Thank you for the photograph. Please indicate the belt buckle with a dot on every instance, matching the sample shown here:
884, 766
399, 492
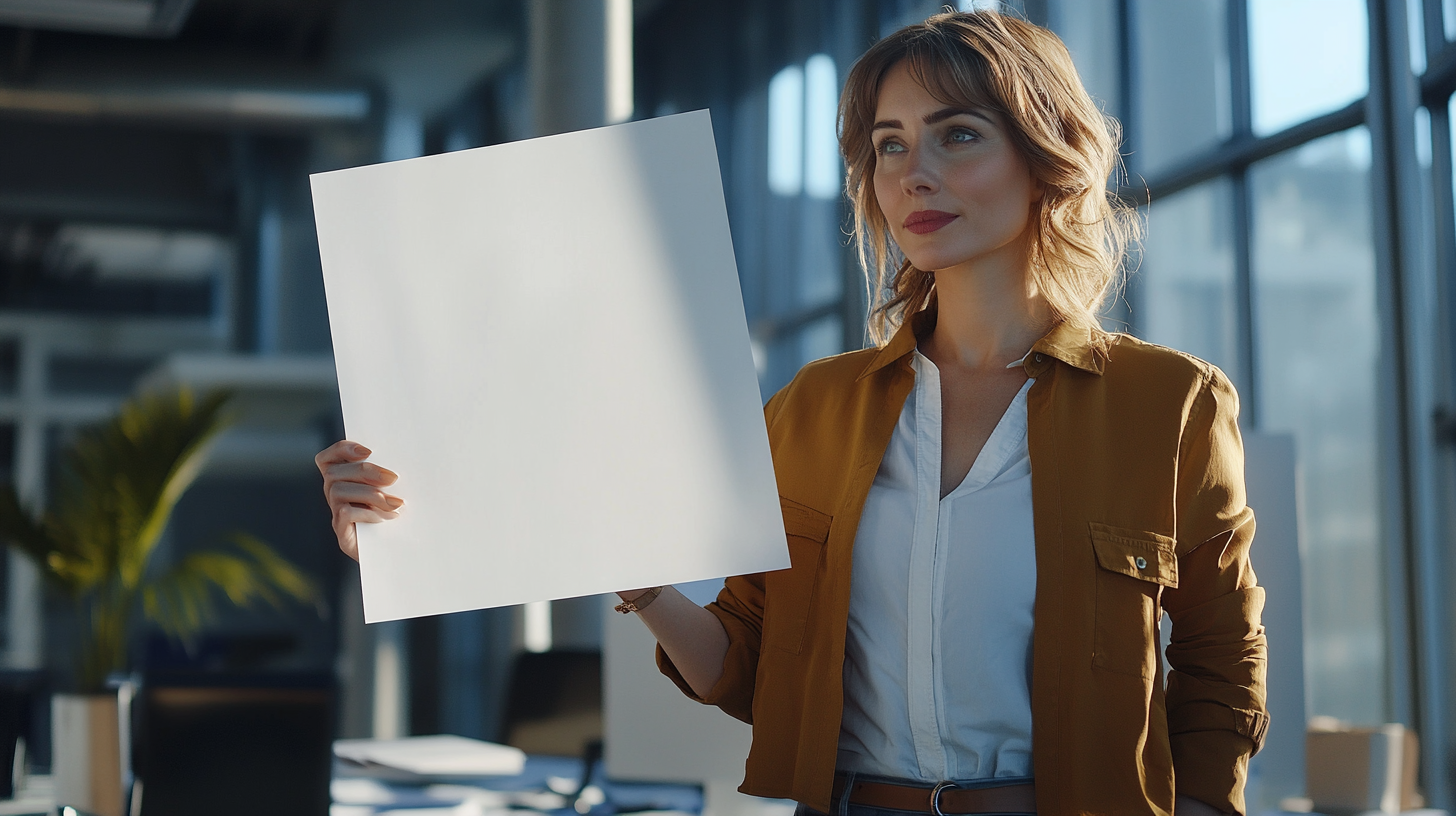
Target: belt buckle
935, 796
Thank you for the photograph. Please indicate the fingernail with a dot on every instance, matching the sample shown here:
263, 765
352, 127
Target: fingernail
394, 502
360, 450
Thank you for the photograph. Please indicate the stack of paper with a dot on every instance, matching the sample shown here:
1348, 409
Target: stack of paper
441, 755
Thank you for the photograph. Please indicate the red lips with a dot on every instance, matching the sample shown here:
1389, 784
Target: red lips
923, 222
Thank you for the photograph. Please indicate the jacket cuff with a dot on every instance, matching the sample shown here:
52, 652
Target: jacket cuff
1212, 767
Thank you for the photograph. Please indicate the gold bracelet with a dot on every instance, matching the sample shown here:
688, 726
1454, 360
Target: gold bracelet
637, 604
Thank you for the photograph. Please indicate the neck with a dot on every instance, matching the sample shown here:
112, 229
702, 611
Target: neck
988, 314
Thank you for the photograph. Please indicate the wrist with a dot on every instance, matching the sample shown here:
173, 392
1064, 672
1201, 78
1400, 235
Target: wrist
637, 600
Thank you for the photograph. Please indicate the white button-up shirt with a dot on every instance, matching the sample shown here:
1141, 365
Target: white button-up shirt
937, 673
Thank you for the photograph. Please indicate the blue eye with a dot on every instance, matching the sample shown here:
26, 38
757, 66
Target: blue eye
962, 136
888, 146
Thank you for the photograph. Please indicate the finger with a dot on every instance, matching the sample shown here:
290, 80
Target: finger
342, 451
366, 472
348, 542
352, 514
341, 493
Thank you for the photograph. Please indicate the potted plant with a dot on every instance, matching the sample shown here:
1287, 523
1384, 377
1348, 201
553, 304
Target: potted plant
95, 543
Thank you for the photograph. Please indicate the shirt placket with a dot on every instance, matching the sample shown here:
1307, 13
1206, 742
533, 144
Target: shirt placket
921, 664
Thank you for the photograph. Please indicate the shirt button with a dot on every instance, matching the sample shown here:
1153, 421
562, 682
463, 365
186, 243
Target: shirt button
1141, 562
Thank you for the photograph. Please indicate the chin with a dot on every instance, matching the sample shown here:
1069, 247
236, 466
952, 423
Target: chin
936, 261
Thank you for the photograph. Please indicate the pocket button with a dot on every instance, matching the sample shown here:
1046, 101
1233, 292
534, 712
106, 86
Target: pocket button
1142, 563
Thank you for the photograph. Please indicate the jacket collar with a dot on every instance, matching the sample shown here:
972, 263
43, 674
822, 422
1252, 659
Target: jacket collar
1078, 346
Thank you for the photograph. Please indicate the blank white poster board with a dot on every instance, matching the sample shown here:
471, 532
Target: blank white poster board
546, 340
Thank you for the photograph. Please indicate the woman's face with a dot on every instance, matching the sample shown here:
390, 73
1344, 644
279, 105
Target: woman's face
951, 184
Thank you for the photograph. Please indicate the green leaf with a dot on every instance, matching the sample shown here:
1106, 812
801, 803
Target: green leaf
183, 599
123, 479
20, 531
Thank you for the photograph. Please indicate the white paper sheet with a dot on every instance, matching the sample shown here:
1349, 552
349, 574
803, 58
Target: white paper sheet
546, 340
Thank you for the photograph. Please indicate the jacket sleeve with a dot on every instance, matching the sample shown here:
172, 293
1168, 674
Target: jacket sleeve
1215, 696
739, 608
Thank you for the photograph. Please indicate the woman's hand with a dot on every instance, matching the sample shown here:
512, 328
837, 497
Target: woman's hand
352, 487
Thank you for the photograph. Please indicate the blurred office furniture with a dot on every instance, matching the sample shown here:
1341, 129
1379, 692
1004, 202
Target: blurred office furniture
23, 697
234, 746
554, 702
544, 784
89, 751
1271, 478
1354, 770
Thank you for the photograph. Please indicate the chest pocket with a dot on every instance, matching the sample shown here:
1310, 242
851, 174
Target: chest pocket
1133, 566
789, 594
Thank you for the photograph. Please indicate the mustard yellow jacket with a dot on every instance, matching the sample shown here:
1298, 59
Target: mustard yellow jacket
1138, 499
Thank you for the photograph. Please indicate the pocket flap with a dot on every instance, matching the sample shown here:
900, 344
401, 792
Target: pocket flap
1136, 554
804, 521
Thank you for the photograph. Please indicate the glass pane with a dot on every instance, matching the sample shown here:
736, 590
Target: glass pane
1308, 57
1185, 286
1415, 26
1182, 63
1090, 30
1318, 346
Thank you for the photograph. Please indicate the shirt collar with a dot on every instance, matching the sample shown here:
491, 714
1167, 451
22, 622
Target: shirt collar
1081, 347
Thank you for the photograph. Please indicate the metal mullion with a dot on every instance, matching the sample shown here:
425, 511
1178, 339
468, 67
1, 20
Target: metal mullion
1248, 332
1444, 213
1129, 111
1392, 178
1240, 69
1241, 107
1242, 151
1124, 309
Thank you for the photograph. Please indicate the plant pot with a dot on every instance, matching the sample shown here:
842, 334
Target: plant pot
86, 752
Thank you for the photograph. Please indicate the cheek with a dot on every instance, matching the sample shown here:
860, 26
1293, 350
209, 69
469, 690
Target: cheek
885, 192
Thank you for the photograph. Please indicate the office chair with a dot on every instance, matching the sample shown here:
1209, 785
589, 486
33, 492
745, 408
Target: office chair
554, 702
236, 746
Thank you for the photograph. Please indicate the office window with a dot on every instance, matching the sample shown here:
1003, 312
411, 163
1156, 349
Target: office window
1308, 57
1181, 57
1186, 289
803, 148
823, 177
786, 131
1318, 348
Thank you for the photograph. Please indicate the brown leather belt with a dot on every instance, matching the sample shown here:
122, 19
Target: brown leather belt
940, 800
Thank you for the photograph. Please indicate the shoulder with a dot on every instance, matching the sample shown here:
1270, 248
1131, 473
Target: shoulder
827, 379
1151, 365
1158, 374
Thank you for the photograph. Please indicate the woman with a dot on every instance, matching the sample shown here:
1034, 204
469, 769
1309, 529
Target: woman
999, 460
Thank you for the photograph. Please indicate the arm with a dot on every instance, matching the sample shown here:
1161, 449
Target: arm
738, 611
1215, 696
689, 635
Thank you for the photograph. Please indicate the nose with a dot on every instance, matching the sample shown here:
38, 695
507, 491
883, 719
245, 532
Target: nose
919, 176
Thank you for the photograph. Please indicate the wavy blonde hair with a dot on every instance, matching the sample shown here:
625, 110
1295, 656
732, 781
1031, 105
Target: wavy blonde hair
1022, 72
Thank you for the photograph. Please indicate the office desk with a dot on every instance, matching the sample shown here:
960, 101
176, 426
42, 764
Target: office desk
539, 788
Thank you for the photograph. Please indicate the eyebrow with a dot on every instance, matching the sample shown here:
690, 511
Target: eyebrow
932, 118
